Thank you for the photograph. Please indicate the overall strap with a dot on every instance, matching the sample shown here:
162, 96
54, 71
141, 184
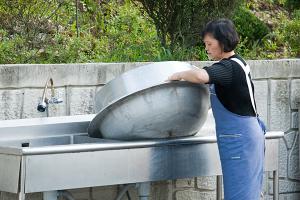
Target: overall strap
246, 69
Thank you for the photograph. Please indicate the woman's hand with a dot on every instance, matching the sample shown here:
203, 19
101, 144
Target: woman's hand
175, 77
193, 75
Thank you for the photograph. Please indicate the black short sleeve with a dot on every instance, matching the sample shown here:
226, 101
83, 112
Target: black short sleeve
220, 73
231, 86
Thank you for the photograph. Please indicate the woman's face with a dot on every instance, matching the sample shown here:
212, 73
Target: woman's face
212, 47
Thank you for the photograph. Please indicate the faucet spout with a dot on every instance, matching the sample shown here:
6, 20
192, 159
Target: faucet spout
43, 103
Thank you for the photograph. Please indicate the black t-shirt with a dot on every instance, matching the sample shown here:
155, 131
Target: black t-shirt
231, 86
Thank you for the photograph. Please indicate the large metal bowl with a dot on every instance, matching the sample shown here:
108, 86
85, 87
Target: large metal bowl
140, 104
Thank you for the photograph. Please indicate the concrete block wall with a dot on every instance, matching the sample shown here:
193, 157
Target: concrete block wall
277, 90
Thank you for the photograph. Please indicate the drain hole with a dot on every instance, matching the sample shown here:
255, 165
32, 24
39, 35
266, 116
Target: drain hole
25, 144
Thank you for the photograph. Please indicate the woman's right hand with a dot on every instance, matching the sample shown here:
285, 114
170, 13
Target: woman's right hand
175, 77
193, 75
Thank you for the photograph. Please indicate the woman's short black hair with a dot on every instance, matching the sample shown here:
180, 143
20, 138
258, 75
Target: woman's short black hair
224, 31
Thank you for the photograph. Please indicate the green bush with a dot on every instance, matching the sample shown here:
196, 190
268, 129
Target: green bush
12, 49
296, 14
249, 26
292, 4
292, 36
127, 36
130, 36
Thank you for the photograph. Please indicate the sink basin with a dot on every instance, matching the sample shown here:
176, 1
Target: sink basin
52, 141
37, 142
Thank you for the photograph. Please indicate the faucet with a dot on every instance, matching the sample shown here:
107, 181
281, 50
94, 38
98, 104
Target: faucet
43, 103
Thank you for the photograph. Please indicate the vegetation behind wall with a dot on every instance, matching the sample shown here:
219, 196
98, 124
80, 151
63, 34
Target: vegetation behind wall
69, 31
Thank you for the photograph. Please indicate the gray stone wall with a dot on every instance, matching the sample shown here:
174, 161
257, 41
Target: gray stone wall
277, 90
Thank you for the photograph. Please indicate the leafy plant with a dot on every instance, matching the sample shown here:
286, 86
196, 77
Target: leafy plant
292, 36
296, 14
249, 26
40, 31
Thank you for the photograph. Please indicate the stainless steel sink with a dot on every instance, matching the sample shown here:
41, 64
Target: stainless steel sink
48, 154
52, 141
37, 142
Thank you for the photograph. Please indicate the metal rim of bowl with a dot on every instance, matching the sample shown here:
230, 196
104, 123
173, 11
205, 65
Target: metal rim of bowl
172, 64
93, 128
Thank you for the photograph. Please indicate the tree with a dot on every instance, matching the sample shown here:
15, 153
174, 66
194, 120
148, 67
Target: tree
179, 22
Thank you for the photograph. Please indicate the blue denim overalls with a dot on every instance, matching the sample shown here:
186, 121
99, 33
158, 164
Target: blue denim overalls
241, 147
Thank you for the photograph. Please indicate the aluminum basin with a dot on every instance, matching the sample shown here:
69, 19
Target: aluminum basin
140, 104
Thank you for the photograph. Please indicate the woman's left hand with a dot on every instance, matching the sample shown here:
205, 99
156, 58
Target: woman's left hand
174, 77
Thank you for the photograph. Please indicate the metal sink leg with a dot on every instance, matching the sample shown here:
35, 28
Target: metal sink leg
54, 195
276, 184
219, 187
144, 190
21, 196
50, 195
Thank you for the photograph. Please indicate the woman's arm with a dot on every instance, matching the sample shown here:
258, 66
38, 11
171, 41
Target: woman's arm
193, 75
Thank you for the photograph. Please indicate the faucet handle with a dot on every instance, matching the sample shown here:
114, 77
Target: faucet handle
54, 100
44, 101
42, 106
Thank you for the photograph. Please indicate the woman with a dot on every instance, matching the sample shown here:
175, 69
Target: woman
240, 133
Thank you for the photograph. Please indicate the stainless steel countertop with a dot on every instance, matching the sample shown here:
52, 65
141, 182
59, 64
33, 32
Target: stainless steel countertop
73, 128
116, 145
